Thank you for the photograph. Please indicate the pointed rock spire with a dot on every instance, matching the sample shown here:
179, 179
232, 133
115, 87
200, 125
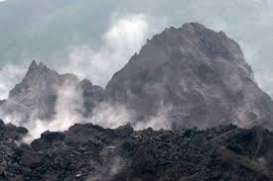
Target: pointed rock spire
39, 72
33, 65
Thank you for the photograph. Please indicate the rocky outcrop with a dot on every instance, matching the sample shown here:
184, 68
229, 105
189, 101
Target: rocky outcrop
89, 152
92, 96
36, 96
182, 78
10, 137
195, 77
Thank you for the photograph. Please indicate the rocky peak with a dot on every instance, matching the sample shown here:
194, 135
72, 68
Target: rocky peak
33, 65
193, 40
38, 75
194, 76
37, 72
36, 95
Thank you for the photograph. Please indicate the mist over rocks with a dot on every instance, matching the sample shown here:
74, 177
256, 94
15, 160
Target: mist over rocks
182, 78
36, 95
198, 75
42, 90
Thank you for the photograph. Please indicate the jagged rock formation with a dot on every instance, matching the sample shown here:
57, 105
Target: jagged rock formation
36, 96
91, 153
190, 77
182, 78
197, 76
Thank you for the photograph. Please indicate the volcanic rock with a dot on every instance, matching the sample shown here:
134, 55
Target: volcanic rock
193, 77
37, 95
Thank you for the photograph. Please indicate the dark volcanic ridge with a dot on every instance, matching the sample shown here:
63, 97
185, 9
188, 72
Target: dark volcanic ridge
91, 153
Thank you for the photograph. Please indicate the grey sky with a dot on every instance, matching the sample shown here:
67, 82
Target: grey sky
95, 38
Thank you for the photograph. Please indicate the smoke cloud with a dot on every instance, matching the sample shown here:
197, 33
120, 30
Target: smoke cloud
72, 23
125, 36
157, 122
110, 168
68, 106
110, 115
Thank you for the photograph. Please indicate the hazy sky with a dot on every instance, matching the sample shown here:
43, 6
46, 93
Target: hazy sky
95, 38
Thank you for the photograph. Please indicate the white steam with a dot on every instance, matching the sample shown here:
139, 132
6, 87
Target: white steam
111, 115
157, 122
125, 36
111, 168
68, 106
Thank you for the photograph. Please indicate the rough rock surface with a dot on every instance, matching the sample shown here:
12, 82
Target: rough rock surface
91, 153
36, 96
182, 78
10, 136
197, 76
192, 76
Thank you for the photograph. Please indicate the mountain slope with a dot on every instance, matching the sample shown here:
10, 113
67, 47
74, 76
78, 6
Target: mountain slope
194, 76
42, 89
